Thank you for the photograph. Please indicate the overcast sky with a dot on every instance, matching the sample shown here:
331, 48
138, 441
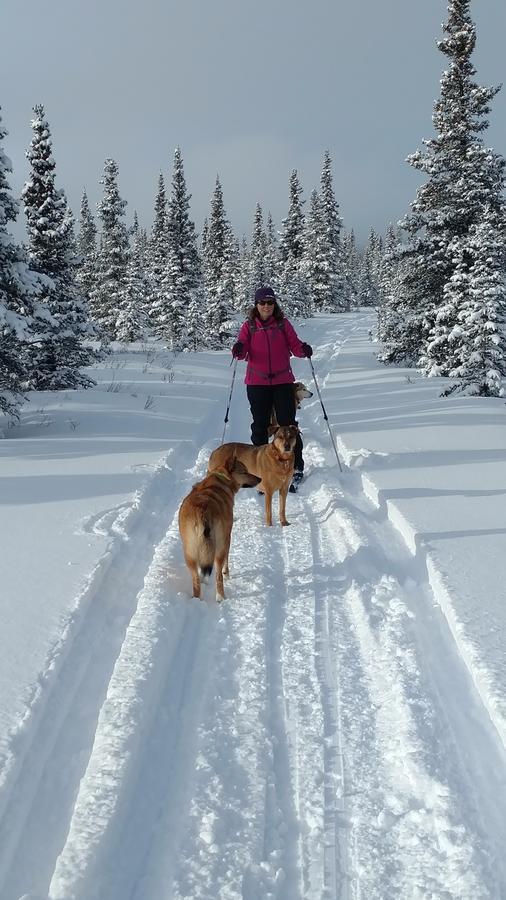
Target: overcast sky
249, 89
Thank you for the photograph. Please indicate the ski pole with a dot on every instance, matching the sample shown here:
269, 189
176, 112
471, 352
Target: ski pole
229, 400
325, 416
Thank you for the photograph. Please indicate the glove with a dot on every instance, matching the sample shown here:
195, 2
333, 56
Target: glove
237, 349
308, 350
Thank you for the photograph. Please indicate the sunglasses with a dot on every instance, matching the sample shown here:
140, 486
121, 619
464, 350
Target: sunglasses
265, 302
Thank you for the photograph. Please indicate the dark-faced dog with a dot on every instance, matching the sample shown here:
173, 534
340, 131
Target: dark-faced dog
272, 462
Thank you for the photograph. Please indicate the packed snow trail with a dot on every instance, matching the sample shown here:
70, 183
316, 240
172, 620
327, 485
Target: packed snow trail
316, 735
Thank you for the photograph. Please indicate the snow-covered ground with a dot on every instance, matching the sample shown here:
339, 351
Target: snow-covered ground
336, 728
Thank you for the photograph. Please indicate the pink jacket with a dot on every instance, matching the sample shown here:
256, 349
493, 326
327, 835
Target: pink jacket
267, 346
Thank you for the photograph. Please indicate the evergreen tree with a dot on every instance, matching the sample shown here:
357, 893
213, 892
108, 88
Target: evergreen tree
350, 263
271, 256
243, 279
315, 260
60, 356
390, 320
157, 257
21, 315
477, 294
253, 266
293, 285
195, 336
86, 248
182, 275
159, 229
464, 189
234, 265
133, 231
181, 228
219, 270
108, 295
258, 250
171, 316
203, 241
291, 245
216, 235
369, 280
336, 295
132, 319
227, 299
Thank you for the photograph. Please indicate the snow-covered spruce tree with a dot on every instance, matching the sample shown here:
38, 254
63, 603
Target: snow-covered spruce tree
131, 323
408, 299
336, 296
243, 280
389, 322
258, 250
227, 291
203, 239
214, 249
172, 312
234, 265
86, 248
369, 278
182, 275
253, 265
108, 292
195, 336
465, 183
478, 185
271, 256
293, 286
22, 317
181, 228
220, 267
350, 263
59, 357
477, 292
315, 260
156, 258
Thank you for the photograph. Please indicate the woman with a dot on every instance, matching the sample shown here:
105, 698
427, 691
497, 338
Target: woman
267, 339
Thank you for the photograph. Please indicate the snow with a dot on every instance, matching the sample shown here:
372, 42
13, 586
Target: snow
337, 727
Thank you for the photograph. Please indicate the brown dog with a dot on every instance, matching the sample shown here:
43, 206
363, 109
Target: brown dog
300, 393
206, 518
273, 463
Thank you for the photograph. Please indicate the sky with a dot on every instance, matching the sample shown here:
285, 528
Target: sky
337, 726
248, 89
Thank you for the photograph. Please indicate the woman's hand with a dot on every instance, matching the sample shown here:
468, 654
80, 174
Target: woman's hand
237, 349
308, 350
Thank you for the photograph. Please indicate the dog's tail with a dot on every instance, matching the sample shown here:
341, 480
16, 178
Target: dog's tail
206, 550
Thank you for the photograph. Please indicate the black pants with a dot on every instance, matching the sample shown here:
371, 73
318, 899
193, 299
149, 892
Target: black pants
262, 398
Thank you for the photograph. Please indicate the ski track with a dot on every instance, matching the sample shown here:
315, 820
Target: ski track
39, 803
50, 751
315, 736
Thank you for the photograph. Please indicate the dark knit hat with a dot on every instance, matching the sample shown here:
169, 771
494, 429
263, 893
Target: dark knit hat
264, 293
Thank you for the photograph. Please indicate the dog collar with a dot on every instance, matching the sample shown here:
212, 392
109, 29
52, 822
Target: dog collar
222, 475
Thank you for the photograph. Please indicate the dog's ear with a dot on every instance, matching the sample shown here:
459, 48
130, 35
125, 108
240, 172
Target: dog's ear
272, 429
